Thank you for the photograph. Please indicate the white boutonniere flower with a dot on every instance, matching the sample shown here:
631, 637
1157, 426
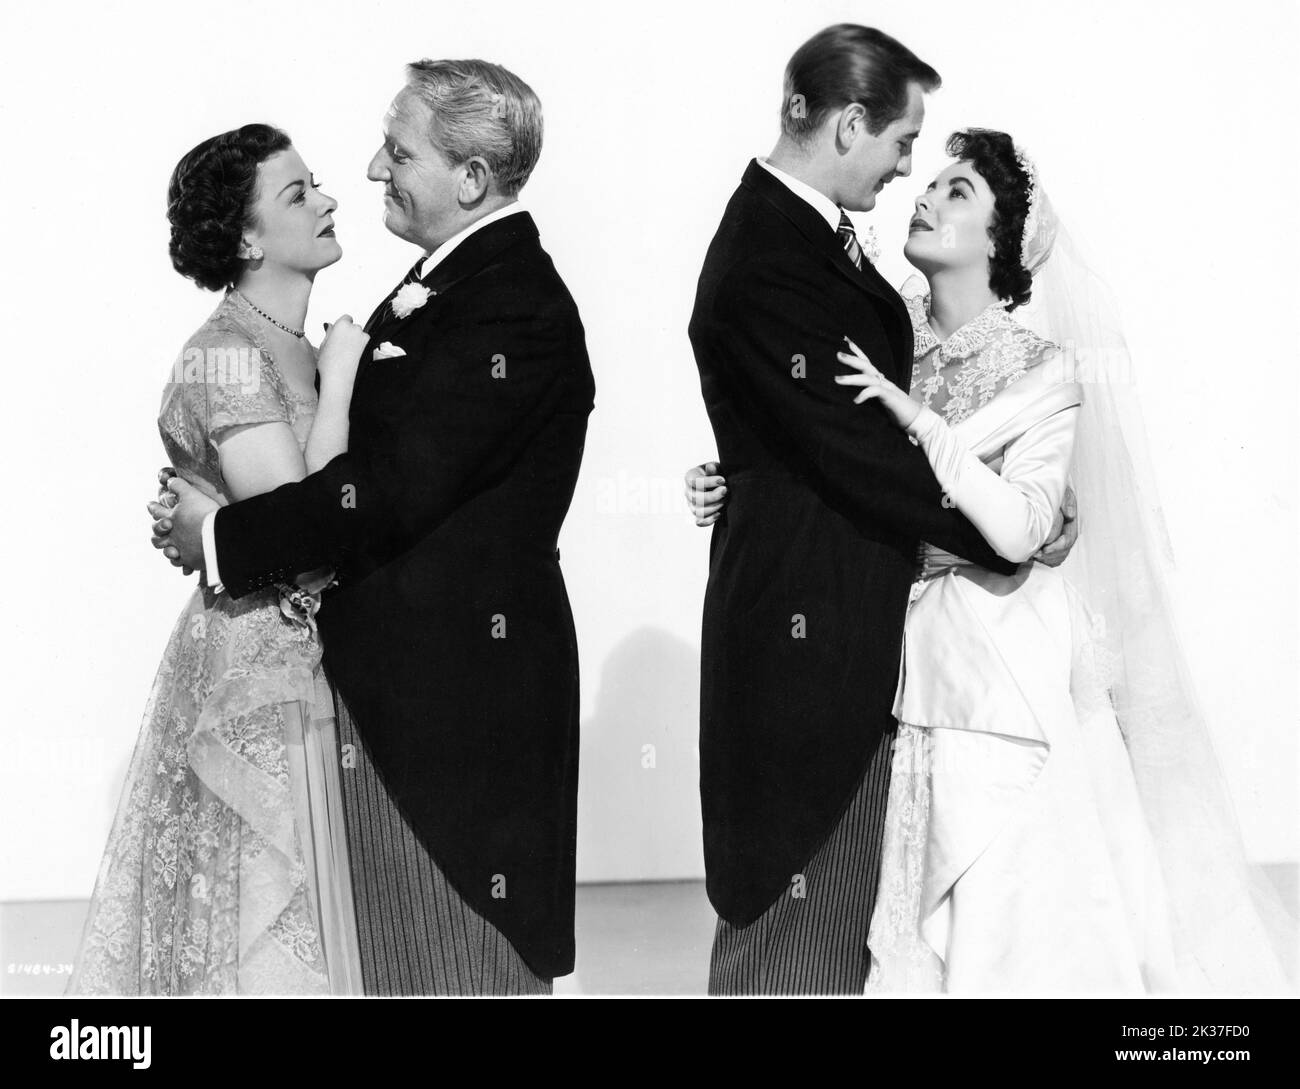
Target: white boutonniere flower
870, 244
410, 298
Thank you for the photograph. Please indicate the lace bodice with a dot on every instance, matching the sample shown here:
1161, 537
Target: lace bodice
1005, 468
962, 374
224, 377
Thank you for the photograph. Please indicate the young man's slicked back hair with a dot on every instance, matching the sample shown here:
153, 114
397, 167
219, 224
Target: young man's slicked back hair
849, 63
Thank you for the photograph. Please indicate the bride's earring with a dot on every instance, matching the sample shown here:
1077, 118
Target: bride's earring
255, 253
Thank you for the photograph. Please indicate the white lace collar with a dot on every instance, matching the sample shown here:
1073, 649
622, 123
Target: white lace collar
967, 370
966, 341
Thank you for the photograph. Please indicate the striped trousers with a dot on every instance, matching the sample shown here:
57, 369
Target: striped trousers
417, 936
813, 939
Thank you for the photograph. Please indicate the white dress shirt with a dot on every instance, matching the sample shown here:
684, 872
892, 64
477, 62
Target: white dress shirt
434, 259
820, 202
431, 261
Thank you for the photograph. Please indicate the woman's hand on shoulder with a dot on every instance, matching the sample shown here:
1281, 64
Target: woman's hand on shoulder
706, 493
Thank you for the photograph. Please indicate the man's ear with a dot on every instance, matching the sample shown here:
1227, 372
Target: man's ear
851, 125
475, 182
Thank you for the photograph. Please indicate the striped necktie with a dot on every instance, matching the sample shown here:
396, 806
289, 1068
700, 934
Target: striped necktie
413, 277
849, 237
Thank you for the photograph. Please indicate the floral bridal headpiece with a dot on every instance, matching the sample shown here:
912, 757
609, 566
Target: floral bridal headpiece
1040, 220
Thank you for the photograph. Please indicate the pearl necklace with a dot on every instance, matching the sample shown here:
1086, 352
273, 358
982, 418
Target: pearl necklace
299, 333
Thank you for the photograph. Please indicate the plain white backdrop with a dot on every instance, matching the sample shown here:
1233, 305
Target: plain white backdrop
1165, 132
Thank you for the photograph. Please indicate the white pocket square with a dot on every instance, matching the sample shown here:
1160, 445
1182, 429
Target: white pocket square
387, 351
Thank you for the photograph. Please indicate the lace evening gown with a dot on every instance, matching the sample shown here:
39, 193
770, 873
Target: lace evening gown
1016, 856
226, 869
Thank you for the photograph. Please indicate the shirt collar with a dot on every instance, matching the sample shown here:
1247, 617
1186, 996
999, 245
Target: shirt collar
820, 202
434, 259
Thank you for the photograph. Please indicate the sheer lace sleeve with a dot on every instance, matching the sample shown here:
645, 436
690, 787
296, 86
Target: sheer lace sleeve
223, 379
240, 386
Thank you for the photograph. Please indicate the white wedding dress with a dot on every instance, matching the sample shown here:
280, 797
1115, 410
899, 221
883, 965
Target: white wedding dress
1016, 856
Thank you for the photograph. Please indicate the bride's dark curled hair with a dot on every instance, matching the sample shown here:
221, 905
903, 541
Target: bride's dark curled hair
993, 155
210, 199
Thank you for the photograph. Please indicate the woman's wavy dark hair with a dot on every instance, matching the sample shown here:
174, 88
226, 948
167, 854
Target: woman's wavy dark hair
210, 202
993, 156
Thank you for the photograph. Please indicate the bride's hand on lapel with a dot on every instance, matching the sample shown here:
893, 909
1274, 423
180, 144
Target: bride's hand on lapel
875, 386
706, 493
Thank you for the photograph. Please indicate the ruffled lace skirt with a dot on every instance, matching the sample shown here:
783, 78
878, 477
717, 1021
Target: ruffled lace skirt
226, 869
901, 960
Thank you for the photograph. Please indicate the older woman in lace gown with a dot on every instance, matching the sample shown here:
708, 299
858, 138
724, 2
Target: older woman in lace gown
1021, 852
226, 868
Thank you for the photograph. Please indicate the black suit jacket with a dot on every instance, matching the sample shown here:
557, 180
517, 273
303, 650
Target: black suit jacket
810, 566
450, 638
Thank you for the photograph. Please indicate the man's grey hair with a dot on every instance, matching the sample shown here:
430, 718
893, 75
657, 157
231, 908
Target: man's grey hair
481, 109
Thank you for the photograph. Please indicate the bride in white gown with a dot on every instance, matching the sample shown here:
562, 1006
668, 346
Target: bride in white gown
1056, 822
